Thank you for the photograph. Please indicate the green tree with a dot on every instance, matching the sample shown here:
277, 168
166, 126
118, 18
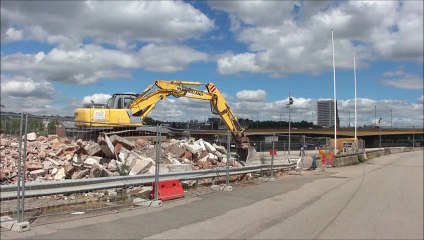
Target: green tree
35, 125
51, 127
150, 121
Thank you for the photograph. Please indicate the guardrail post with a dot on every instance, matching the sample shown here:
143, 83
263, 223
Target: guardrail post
158, 153
24, 168
18, 183
228, 158
272, 155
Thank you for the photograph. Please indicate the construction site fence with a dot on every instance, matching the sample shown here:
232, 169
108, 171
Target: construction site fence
29, 195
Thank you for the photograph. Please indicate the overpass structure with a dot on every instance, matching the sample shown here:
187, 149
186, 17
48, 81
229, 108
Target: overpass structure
342, 132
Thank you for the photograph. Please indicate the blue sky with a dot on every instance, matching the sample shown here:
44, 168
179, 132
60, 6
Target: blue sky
58, 55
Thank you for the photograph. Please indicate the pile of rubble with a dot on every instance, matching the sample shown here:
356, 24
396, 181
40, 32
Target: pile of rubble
54, 158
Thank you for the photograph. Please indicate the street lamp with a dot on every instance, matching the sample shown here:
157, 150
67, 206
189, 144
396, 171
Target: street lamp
391, 118
379, 125
289, 107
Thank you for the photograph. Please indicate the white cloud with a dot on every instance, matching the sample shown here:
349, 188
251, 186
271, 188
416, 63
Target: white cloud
90, 63
12, 35
97, 98
26, 94
168, 58
403, 80
82, 66
19, 86
251, 96
300, 41
119, 23
256, 12
238, 63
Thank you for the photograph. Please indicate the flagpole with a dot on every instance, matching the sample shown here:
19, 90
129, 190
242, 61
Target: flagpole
335, 101
289, 125
354, 73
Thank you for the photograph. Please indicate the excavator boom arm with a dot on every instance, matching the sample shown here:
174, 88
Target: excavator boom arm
142, 105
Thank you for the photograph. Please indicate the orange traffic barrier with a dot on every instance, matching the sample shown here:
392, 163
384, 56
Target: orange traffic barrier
271, 153
168, 190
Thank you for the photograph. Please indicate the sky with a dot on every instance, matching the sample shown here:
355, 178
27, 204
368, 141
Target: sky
58, 55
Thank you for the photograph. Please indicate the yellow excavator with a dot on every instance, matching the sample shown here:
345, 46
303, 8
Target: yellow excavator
129, 110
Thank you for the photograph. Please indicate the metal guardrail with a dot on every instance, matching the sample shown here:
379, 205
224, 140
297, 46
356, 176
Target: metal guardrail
35, 189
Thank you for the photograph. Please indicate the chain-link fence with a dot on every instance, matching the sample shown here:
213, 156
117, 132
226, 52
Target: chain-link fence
51, 167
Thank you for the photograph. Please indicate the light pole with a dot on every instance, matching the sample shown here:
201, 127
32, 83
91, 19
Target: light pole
348, 112
391, 119
379, 125
334, 90
413, 137
354, 74
375, 115
280, 120
289, 107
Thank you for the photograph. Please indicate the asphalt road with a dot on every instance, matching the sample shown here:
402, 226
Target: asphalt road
379, 199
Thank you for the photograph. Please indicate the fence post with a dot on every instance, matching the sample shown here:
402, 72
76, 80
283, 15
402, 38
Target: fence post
272, 155
24, 168
302, 154
158, 153
228, 158
18, 183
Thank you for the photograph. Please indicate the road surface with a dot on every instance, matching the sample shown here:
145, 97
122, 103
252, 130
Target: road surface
379, 199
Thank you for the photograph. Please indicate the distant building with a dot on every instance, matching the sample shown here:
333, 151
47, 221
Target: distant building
325, 113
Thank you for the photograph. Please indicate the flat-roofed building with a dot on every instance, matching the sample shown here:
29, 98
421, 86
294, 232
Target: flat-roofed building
325, 113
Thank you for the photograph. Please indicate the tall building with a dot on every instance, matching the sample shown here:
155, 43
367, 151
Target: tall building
325, 113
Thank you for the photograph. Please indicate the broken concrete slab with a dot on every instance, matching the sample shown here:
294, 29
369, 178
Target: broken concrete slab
55, 163
31, 136
30, 166
93, 149
106, 145
220, 149
141, 165
96, 171
147, 203
141, 142
77, 160
80, 174
180, 167
6, 222
115, 139
69, 169
112, 165
36, 173
90, 161
175, 151
224, 188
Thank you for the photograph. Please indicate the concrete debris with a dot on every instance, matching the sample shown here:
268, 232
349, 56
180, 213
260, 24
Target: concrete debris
141, 165
106, 145
92, 149
90, 161
122, 141
55, 158
60, 174
31, 136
